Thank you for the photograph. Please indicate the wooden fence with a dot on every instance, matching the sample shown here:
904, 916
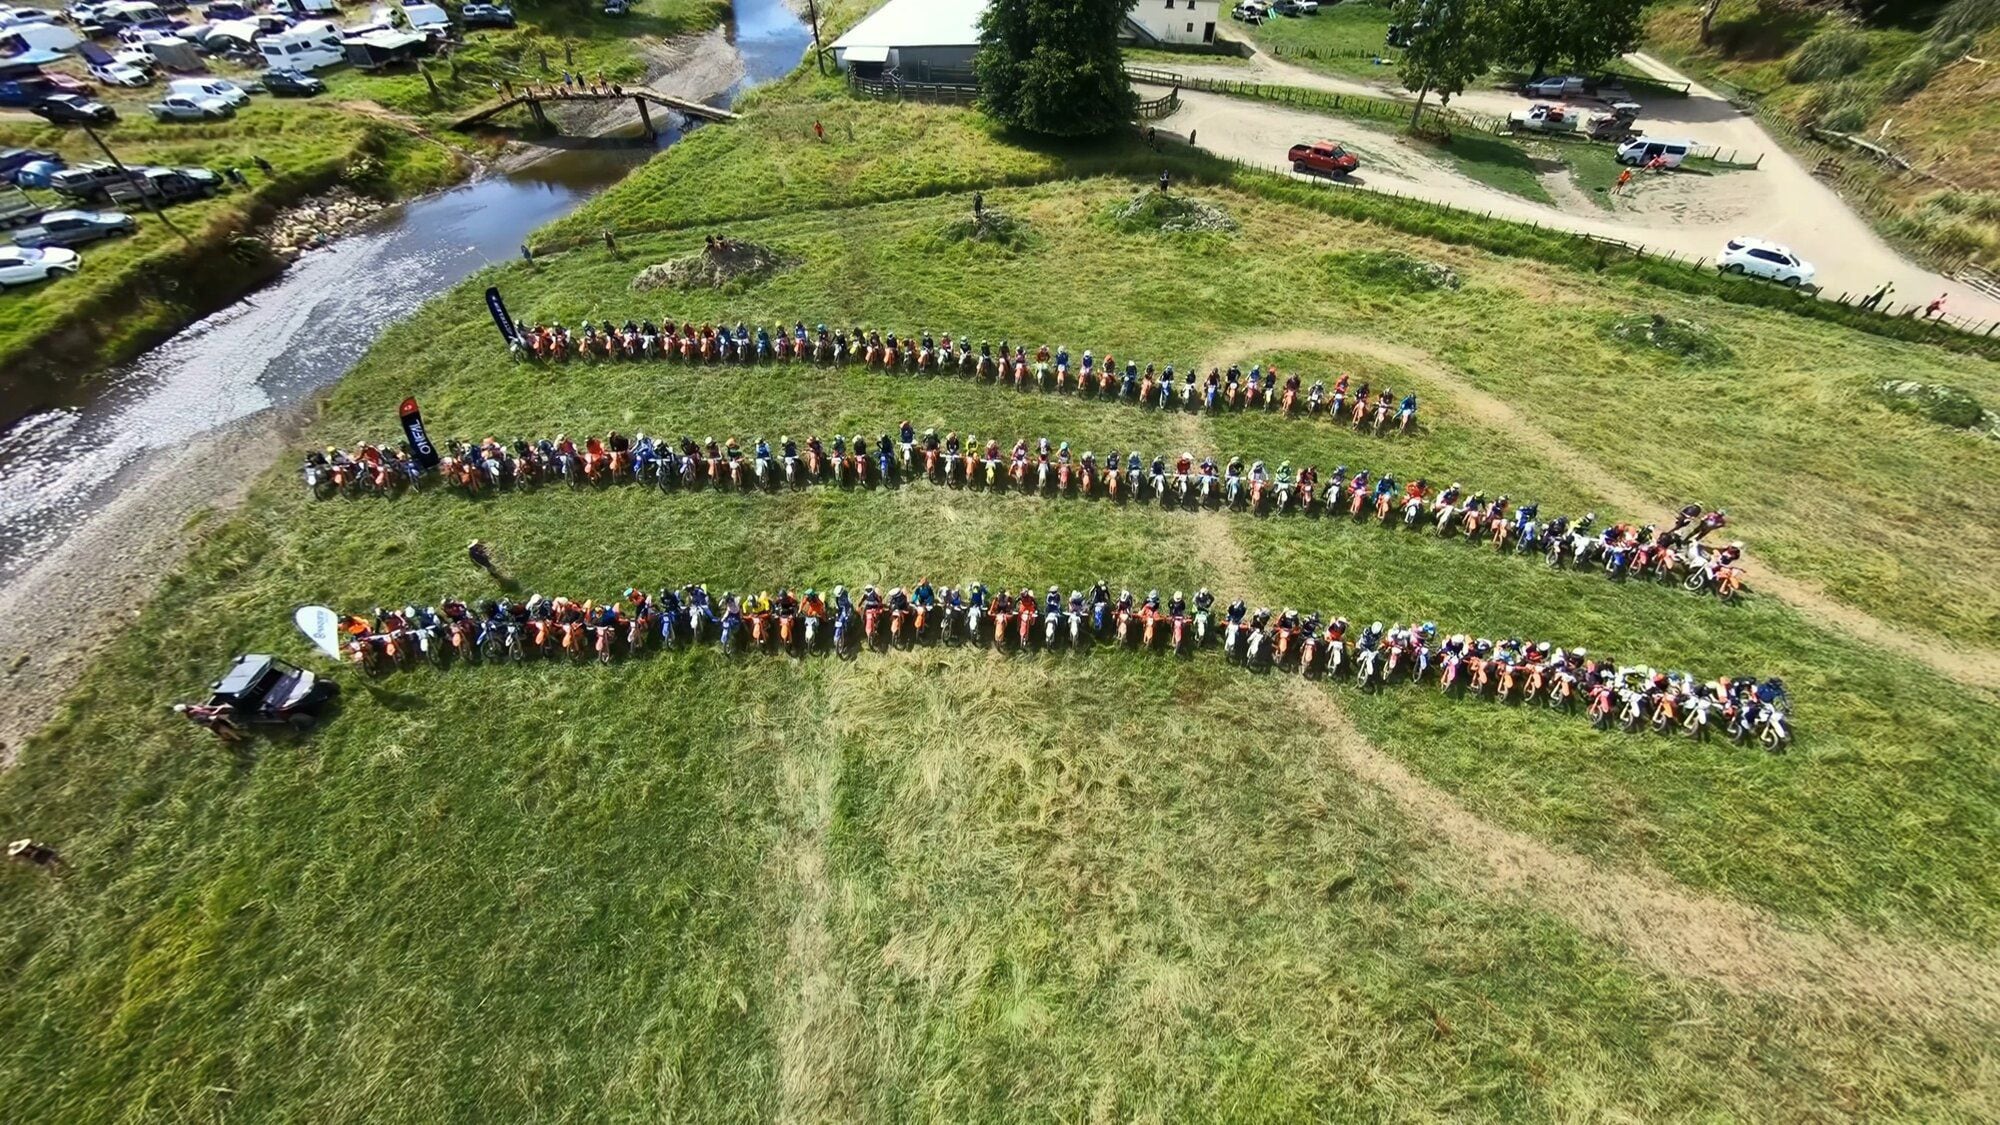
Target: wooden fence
961, 93
1347, 105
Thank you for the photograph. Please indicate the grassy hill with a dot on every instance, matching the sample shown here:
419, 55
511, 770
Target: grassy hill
945, 883
1916, 81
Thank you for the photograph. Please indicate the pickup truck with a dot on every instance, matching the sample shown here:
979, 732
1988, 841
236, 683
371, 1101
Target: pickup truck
1323, 157
101, 181
1545, 117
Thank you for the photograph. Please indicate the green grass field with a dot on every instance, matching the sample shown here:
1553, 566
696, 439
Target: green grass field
1343, 39
950, 884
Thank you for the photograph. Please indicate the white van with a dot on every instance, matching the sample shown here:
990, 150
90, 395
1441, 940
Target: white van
221, 89
1642, 150
312, 45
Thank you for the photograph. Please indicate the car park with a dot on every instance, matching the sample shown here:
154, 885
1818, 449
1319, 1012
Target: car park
26, 265
73, 109
286, 83
1757, 257
75, 228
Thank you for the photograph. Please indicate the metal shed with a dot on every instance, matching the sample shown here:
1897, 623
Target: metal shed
917, 40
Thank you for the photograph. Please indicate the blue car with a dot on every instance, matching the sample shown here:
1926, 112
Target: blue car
12, 160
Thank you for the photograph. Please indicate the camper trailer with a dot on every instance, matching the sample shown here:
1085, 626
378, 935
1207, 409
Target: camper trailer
312, 45
377, 49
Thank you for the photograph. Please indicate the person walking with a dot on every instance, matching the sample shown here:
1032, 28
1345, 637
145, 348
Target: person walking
1935, 308
1624, 177
610, 243
481, 557
527, 254
1874, 300
1165, 179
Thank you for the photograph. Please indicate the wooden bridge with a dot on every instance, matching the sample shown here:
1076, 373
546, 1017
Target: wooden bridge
535, 97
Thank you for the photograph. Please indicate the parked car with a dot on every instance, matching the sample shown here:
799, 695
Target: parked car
73, 109
616, 7
221, 88
1545, 117
1555, 86
1284, 7
66, 84
25, 265
86, 180
138, 58
102, 180
74, 228
1306, 7
264, 690
1324, 157
1645, 150
486, 15
1251, 11
227, 10
115, 73
13, 160
1755, 257
291, 84
180, 107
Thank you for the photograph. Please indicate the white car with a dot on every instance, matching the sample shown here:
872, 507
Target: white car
181, 107
221, 88
1757, 258
25, 265
119, 74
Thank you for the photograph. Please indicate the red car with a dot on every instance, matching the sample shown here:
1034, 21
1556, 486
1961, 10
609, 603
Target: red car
1324, 157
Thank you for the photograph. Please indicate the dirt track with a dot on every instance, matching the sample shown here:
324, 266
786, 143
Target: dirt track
1688, 214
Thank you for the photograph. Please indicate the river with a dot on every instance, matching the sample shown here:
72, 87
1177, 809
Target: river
289, 339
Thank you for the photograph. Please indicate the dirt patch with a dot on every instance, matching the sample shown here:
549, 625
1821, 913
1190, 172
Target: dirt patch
1973, 667
714, 267
1729, 944
120, 554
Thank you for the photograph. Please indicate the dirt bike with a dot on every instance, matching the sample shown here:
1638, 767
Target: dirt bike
1666, 712
1725, 581
1603, 701
1368, 668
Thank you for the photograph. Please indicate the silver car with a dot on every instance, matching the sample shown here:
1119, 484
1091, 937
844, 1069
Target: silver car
74, 228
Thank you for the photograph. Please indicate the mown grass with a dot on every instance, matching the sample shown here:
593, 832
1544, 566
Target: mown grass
1494, 162
1342, 39
941, 884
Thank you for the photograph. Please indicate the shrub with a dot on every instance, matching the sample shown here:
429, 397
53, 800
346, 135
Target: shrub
740, 263
1829, 54
1168, 213
1684, 339
1393, 269
1916, 72
1940, 402
991, 227
1842, 106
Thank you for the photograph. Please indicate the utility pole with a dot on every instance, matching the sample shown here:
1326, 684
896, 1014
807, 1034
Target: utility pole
137, 185
819, 52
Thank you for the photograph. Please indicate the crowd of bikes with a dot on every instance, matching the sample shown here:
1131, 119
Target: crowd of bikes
1676, 554
805, 622
1365, 408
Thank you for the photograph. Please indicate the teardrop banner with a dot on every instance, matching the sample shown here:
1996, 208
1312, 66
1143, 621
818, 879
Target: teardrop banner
321, 626
413, 428
498, 308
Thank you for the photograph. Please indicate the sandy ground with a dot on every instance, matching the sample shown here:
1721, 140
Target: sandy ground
1689, 215
55, 614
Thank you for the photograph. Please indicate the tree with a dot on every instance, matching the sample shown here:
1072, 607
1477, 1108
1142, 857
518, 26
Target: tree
1584, 34
1708, 18
1054, 66
1452, 42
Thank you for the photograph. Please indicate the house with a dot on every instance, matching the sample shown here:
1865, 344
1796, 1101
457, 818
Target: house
916, 40
1173, 21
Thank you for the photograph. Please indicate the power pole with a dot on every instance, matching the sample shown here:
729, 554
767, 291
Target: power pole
137, 185
819, 52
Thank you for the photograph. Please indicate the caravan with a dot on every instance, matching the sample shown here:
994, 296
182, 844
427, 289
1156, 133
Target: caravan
312, 45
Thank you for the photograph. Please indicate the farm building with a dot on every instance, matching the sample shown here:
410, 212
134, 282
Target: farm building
1173, 21
917, 40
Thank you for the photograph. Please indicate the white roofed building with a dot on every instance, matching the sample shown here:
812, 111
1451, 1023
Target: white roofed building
917, 40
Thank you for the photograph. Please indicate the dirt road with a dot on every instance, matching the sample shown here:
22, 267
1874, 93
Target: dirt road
1687, 214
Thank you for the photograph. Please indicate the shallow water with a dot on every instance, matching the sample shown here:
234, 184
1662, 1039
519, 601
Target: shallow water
65, 458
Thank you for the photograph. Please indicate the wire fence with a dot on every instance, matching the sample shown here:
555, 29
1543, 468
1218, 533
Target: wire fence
1436, 118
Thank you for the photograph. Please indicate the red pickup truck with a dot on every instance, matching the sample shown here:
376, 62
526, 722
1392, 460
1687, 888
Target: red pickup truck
1323, 157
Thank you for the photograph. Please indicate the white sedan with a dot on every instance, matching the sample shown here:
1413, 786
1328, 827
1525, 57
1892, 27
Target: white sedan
1768, 260
25, 265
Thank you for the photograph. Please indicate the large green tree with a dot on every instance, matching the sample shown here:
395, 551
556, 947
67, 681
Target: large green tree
1451, 42
1580, 34
1054, 66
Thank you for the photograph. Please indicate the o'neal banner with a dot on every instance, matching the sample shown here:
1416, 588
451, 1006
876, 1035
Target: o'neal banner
420, 442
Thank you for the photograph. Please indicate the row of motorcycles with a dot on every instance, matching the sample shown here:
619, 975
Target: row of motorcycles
1507, 671
1045, 369
1622, 550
